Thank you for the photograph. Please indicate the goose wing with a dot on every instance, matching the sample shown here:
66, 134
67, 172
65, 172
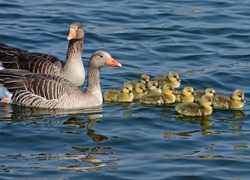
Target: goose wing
15, 58
38, 90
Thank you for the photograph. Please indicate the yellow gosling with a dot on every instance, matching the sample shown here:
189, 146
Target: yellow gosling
165, 97
194, 109
187, 95
236, 102
153, 87
144, 79
172, 79
140, 90
127, 93
199, 93
111, 95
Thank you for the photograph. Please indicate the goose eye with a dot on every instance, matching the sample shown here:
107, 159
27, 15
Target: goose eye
101, 56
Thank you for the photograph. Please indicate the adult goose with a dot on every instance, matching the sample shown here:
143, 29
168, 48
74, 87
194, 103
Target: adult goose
24, 88
72, 70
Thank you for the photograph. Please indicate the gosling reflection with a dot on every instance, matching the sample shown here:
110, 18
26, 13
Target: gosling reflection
193, 118
89, 159
203, 121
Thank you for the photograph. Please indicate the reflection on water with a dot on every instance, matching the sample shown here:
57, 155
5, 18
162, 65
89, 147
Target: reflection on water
20, 113
79, 161
194, 38
90, 158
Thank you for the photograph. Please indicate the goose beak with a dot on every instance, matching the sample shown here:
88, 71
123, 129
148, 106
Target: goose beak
72, 34
113, 62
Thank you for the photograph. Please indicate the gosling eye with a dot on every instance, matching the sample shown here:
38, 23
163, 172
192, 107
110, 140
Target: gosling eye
101, 56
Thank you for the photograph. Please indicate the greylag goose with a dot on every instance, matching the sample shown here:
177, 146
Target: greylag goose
72, 70
140, 90
166, 97
124, 95
236, 102
24, 88
187, 95
195, 109
172, 79
199, 93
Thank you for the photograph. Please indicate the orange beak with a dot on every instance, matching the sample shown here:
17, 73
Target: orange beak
72, 34
113, 62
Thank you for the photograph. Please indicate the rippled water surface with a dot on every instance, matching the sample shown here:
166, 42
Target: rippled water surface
207, 42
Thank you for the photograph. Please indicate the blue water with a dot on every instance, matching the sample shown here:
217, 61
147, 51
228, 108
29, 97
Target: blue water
206, 42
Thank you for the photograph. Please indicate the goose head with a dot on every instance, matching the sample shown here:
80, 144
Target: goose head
206, 101
140, 88
145, 78
76, 31
173, 76
153, 85
210, 92
102, 58
167, 89
238, 95
127, 88
188, 91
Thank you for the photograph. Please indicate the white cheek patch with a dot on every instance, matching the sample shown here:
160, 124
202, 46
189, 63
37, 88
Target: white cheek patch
4, 93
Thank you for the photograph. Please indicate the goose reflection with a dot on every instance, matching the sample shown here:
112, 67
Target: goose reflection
17, 113
92, 119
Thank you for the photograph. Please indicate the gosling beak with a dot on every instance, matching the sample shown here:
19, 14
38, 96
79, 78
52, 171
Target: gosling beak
243, 100
113, 62
71, 34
